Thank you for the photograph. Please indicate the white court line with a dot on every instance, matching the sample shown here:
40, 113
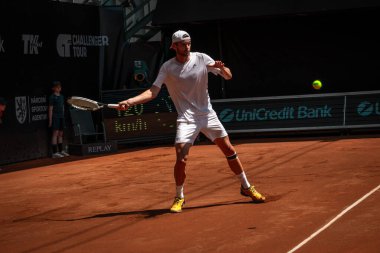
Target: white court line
333, 220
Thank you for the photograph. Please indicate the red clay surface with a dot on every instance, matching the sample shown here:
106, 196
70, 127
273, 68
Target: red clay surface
119, 203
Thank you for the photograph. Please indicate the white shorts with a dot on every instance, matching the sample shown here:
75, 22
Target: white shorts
209, 125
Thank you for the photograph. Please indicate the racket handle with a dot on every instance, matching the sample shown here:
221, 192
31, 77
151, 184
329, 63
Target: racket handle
113, 106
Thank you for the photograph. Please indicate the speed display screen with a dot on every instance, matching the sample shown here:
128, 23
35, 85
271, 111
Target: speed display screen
149, 121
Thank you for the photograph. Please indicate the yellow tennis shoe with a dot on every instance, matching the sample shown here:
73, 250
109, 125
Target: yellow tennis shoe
251, 192
177, 205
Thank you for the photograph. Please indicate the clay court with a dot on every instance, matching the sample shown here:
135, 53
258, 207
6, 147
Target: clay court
119, 202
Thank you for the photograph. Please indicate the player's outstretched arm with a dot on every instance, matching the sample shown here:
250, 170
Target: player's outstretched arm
225, 72
144, 97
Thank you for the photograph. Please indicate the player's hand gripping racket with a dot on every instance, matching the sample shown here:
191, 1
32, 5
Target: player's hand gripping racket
88, 104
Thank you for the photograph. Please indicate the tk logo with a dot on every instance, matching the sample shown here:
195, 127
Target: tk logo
31, 43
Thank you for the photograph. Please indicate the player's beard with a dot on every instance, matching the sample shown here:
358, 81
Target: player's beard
184, 53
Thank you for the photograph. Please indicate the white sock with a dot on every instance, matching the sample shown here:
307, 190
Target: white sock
243, 180
179, 190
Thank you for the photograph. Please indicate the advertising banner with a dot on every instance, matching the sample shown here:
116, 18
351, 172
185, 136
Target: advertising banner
289, 113
280, 113
157, 119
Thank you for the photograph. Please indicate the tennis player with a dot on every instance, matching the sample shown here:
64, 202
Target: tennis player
186, 77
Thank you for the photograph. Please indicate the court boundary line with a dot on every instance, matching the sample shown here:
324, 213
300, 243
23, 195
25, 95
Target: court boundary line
333, 220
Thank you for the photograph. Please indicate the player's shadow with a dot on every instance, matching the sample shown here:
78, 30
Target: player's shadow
148, 214
219, 204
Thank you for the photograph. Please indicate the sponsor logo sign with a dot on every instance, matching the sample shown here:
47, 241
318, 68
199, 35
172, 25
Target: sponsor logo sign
31, 109
285, 113
76, 45
280, 113
21, 109
366, 108
31, 44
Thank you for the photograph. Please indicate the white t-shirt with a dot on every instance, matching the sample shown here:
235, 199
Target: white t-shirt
187, 84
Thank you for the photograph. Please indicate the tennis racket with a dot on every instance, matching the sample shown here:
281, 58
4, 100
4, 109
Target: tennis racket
88, 104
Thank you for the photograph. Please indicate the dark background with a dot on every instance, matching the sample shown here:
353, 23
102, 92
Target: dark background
284, 54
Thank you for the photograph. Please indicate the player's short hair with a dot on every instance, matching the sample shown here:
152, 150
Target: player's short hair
56, 84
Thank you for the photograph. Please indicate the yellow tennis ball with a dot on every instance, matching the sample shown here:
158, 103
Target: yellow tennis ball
317, 84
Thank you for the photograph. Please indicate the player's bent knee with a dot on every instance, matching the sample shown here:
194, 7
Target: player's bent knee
232, 157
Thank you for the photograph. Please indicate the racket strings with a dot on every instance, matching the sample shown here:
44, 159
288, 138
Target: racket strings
83, 103
83, 107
